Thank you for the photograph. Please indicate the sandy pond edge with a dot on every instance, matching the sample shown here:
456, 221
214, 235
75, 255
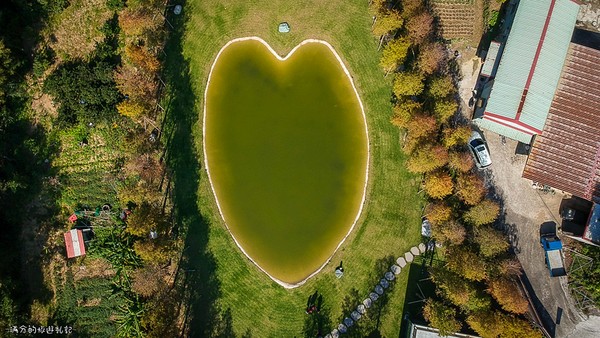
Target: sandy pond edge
362, 203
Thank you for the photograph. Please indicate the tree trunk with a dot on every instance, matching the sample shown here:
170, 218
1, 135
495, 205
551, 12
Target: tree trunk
380, 42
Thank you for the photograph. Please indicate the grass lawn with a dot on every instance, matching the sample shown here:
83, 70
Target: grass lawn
219, 278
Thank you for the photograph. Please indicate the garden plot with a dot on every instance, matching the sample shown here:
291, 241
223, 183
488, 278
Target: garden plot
87, 165
457, 18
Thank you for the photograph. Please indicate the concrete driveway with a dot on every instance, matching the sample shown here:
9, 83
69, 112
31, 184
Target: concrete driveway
525, 209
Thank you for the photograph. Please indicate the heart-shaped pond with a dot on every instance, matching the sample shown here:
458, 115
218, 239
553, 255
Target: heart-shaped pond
286, 149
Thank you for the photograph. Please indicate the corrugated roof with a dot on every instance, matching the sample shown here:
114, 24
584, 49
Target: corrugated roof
74, 243
488, 68
566, 155
503, 130
530, 67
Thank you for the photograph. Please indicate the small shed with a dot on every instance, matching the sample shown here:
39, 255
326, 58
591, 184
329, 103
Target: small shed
74, 243
424, 331
284, 27
490, 65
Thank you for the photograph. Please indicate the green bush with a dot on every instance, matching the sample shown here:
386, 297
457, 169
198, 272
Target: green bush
42, 60
85, 92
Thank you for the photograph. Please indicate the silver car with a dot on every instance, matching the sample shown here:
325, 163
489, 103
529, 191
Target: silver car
479, 150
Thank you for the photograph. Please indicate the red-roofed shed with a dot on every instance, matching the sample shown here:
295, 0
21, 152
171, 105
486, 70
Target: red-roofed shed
74, 243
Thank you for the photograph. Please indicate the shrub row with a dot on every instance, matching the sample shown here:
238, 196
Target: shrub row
477, 283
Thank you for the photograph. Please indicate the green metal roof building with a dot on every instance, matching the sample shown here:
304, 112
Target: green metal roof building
529, 68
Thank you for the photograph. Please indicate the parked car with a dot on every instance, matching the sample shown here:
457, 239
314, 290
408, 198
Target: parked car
553, 249
479, 150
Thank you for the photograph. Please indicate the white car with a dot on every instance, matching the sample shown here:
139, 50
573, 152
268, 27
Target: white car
479, 150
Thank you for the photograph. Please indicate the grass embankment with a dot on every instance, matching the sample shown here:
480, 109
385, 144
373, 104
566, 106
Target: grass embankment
220, 277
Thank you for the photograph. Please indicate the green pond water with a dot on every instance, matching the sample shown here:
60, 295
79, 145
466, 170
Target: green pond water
286, 147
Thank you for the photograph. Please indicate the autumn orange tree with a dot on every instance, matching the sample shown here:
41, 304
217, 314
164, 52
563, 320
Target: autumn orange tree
408, 84
438, 212
470, 188
146, 280
420, 26
483, 213
427, 158
138, 84
385, 22
394, 54
438, 184
509, 267
441, 87
445, 109
138, 21
491, 242
142, 57
404, 110
421, 125
466, 263
431, 57
493, 324
506, 292
451, 232
418, 128
146, 166
457, 136
465, 294
441, 316
460, 161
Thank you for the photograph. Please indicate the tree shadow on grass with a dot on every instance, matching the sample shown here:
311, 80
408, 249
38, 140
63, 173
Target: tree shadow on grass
418, 289
368, 324
317, 322
196, 277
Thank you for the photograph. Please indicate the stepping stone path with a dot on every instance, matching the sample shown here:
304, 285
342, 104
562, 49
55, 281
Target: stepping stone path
374, 297
384, 283
389, 276
348, 322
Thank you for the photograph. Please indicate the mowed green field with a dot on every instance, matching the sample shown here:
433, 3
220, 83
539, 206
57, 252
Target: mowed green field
390, 222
